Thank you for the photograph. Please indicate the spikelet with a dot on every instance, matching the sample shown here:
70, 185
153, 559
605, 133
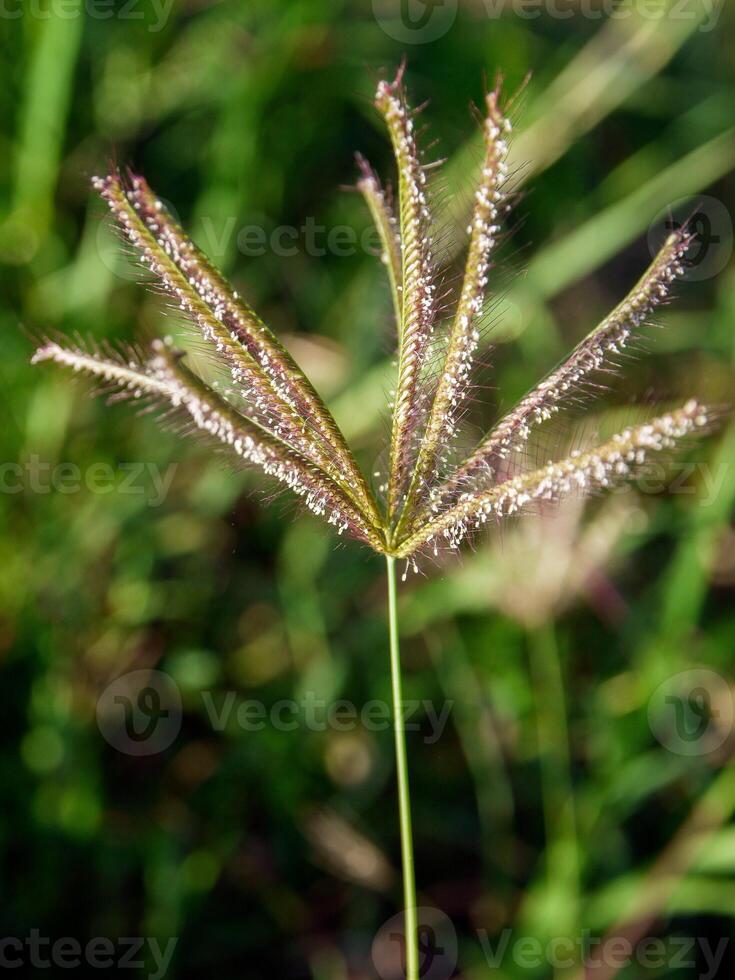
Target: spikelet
126, 375
580, 473
165, 378
604, 342
464, 337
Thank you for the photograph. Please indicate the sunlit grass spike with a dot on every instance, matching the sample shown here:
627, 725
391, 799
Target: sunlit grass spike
464, 336
417, 286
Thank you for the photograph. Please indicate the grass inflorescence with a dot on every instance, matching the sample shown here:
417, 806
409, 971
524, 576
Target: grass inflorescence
279, 423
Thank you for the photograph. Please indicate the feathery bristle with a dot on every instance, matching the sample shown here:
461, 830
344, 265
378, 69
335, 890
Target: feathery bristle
212, 414
129, 376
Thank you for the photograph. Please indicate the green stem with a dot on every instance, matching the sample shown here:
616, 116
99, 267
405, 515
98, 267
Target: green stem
562, 846
404, 796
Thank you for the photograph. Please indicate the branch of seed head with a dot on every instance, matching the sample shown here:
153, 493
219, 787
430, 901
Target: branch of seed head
148, 229
464, 336
164, 377
386, 224
417, 278
610, 463
281, 397
609, 338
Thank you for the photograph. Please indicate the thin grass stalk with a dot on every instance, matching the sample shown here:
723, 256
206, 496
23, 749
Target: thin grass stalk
555, 761
404, 795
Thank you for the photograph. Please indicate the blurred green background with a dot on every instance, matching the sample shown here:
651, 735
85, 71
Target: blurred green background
563, 794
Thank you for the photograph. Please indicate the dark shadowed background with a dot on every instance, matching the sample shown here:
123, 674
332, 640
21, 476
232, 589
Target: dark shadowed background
572, 677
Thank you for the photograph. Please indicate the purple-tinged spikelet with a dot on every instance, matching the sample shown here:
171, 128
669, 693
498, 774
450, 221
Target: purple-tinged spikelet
123, 374
580, 473
280, 396
164, 377
464, 336
417, 284
591, 354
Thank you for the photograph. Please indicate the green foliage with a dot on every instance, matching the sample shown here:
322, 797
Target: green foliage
248, 114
